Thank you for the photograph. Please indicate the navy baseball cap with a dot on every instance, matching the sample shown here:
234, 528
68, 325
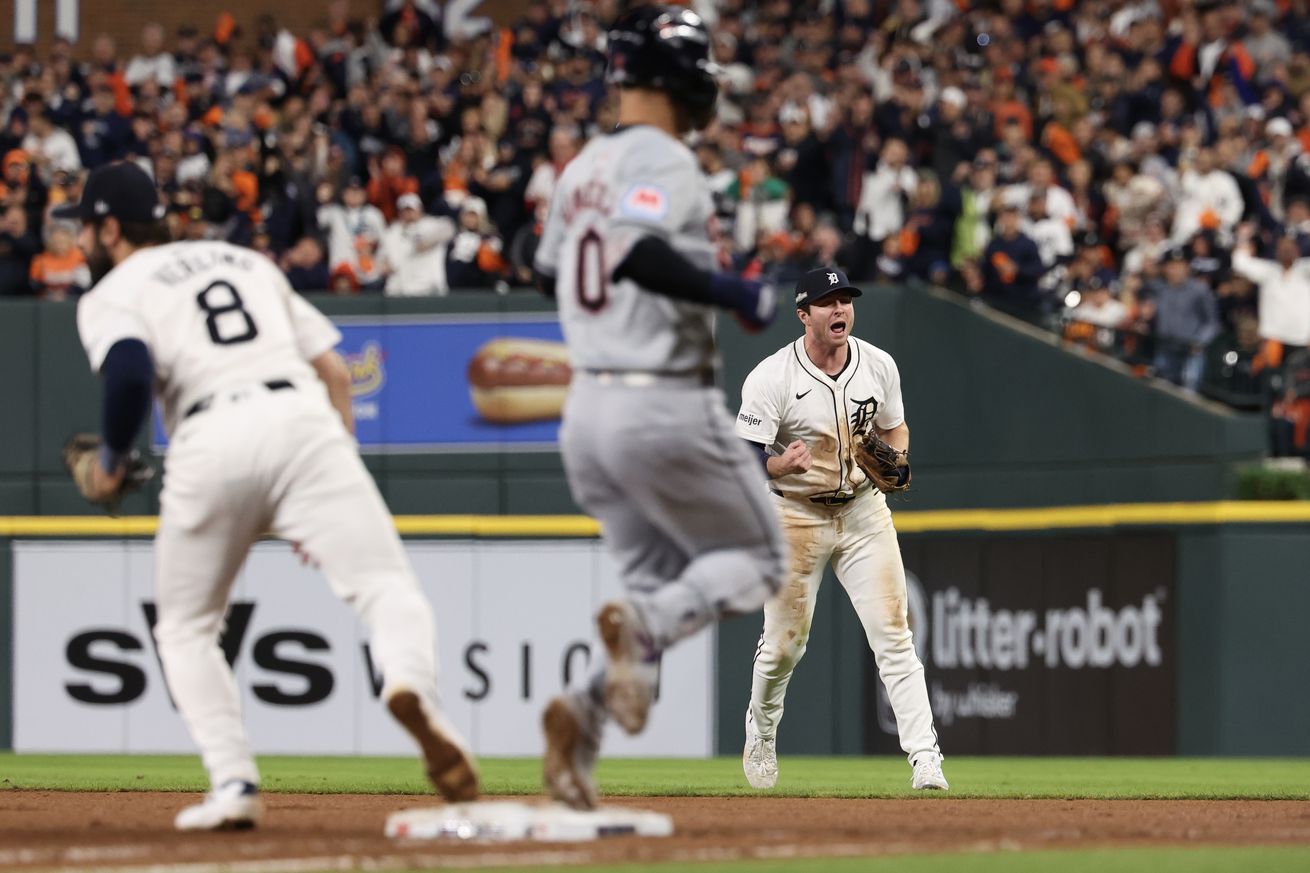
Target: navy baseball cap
822, 282
122, 190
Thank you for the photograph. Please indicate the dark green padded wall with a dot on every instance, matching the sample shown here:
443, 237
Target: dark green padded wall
1000, 417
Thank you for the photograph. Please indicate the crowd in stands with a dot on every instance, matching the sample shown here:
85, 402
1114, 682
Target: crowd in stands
1132, 173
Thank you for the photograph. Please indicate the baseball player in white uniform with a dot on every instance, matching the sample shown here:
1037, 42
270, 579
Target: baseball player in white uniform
257, 407
646, 440
803, 408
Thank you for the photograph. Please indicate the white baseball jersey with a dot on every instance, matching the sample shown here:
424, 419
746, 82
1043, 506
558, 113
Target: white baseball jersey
213, 316
786, 398
633, 183
221, 321
416, 255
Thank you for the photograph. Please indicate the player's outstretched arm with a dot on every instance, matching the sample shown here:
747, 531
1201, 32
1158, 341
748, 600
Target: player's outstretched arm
332, 369
659, 268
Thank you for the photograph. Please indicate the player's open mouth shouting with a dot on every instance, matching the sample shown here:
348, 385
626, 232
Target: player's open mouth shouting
840, 315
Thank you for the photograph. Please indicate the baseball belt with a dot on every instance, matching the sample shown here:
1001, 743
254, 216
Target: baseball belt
703, 377
205, 402
840, 499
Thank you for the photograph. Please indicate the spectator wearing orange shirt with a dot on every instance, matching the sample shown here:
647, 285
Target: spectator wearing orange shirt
20, 186
387, 182
1209, 57
61, 270
1007, 107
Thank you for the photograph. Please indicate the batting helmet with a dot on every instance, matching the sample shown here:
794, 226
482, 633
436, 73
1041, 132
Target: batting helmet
666, 48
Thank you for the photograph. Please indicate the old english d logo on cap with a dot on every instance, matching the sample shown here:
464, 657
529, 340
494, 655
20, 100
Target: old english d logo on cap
822, 282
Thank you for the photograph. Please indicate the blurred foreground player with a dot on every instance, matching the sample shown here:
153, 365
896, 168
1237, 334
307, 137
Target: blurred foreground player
257, 407
647, 442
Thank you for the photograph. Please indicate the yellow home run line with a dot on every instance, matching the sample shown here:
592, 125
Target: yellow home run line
907, 520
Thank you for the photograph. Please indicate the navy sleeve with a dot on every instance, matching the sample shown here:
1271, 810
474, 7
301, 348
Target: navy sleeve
128, 375
762, 452
656, 266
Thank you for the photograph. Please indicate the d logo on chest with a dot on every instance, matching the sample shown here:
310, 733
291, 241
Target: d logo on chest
863, 415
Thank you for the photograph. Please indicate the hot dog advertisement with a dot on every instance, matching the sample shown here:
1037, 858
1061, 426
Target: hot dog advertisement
456, 383
512, 379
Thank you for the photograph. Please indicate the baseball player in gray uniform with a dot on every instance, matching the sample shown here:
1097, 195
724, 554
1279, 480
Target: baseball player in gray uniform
646, 441
803, 408
256, 403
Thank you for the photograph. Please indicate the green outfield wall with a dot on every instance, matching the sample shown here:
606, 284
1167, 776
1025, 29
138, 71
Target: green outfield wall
1001, 417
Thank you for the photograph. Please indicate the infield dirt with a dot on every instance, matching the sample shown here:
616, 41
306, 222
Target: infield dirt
47, 829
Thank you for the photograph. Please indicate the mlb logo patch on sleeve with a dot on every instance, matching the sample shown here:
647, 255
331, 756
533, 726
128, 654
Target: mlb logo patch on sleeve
645, 201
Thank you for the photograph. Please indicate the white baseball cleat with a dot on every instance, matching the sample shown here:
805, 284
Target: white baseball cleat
759, 760
448, 761
232, 806
572, 746
632, 669
928, 773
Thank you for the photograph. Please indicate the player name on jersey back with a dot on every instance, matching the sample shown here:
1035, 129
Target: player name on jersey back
187, 263
213, 316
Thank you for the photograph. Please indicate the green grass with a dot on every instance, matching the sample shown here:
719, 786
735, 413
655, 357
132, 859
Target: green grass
1206, 860
1256, 778
1200, 778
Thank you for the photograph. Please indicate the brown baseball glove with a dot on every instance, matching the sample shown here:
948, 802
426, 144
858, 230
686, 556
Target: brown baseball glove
80, 454
887, 468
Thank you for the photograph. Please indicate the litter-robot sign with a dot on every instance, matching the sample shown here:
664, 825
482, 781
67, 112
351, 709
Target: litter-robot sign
1041, 645
514, 626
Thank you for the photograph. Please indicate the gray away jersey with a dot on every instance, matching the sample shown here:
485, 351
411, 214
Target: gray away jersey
633, 183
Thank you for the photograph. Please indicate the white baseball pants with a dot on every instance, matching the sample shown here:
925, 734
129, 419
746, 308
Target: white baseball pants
258, 461
860, 540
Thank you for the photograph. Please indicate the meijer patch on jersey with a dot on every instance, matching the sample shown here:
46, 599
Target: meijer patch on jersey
645, 201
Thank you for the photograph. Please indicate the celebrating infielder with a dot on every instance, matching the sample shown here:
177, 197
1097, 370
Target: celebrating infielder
257, 407
646, 440
821, 411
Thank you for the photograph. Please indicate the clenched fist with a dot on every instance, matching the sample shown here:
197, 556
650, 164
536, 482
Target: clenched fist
795, 459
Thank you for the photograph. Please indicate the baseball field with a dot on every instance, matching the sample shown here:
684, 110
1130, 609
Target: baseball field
81, 813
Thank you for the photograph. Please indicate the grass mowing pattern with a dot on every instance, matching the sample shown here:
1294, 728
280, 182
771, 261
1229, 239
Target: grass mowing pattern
1110, 778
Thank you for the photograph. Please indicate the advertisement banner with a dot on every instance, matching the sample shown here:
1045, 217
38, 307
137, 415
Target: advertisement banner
1059, 645
514, 623
475, 383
